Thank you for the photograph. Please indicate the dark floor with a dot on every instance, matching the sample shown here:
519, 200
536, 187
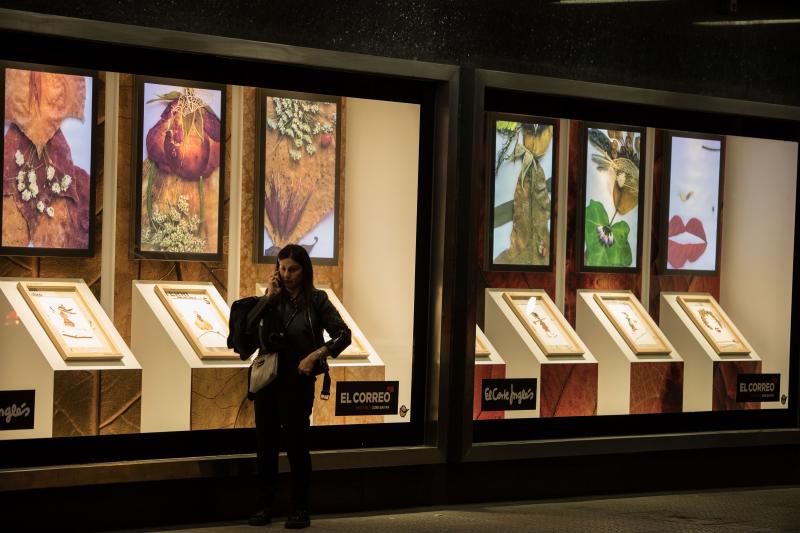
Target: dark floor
763, 510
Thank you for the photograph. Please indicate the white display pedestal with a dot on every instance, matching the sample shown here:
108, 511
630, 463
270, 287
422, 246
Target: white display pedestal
710, 379
628, 383
361, 364
566, 384
72, 398
181, 391
488, 365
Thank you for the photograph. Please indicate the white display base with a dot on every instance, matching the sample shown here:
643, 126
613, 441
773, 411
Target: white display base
698, 354
493, 358
623, 375
30, 359
522, 356
366, 368
168, 358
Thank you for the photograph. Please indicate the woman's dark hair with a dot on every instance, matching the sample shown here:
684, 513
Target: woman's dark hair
299, 254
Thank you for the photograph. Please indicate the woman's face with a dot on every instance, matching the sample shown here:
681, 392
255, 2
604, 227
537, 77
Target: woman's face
291, 273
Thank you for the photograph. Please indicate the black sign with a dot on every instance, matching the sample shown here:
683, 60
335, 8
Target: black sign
508, 394
16, 409
354, 398
758, 387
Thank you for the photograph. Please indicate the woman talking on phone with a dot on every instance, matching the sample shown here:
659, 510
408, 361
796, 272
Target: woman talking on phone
290, 318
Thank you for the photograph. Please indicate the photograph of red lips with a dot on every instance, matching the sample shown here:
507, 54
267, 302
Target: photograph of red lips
678, 253
692, 187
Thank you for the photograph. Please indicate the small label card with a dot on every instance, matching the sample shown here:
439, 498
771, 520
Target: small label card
508, 394
16, 409
758, 388
355, 398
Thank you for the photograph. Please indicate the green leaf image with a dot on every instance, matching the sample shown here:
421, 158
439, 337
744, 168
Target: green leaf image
506, 127
599, 253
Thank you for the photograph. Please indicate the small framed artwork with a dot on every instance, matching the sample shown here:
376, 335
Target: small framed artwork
200, 319
49, 160
178, 177
714, 324
521, 192
355, 350
299, 141
542, 319
692, 187
633, 323
611, 193
69, 321
481, 350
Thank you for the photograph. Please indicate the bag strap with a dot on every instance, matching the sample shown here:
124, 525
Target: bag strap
326, 386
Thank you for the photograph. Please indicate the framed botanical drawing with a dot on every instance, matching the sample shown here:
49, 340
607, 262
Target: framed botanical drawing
714, 324
611, 193
200, 319
544, 322
69, 321
178, 180
49, 160
298, 140
630, 319
481, 350
355, 350
521, 192
690, 235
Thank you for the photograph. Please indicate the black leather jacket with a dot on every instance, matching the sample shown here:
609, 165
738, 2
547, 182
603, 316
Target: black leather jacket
320, 315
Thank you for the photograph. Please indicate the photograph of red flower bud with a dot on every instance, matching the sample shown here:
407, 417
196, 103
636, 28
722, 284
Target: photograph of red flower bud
178, 182
298, 141
48, 151
610, 221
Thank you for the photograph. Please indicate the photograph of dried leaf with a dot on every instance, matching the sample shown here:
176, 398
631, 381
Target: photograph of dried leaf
299, 175
181, 151
521, 214
611, 218
47, 163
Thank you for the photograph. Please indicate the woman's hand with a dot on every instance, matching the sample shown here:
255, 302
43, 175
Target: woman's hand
274, 287
306, 366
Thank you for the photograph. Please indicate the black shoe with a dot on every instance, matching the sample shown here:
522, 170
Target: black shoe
297, 520
261, 518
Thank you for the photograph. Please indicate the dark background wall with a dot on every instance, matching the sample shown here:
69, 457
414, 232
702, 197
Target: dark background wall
642, 44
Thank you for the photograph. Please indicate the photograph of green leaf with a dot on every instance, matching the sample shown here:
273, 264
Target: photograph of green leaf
520, 232
611, 218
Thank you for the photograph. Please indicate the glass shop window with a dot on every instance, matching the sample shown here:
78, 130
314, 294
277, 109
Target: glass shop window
630, 270
335, 174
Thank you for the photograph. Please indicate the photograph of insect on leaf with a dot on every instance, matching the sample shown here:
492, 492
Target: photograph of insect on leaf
520, 233
299, 174
611, 218
181, 151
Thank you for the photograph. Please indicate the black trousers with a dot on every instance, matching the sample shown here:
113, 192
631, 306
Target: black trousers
283, 411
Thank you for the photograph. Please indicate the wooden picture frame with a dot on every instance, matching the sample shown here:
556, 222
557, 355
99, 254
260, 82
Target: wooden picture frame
714, 324
627, 315
212, 322
177, 186
527, 132
562, 342
355, 350
297, 206
688, 211
608, 249
481, 350
62, 182
66, 318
